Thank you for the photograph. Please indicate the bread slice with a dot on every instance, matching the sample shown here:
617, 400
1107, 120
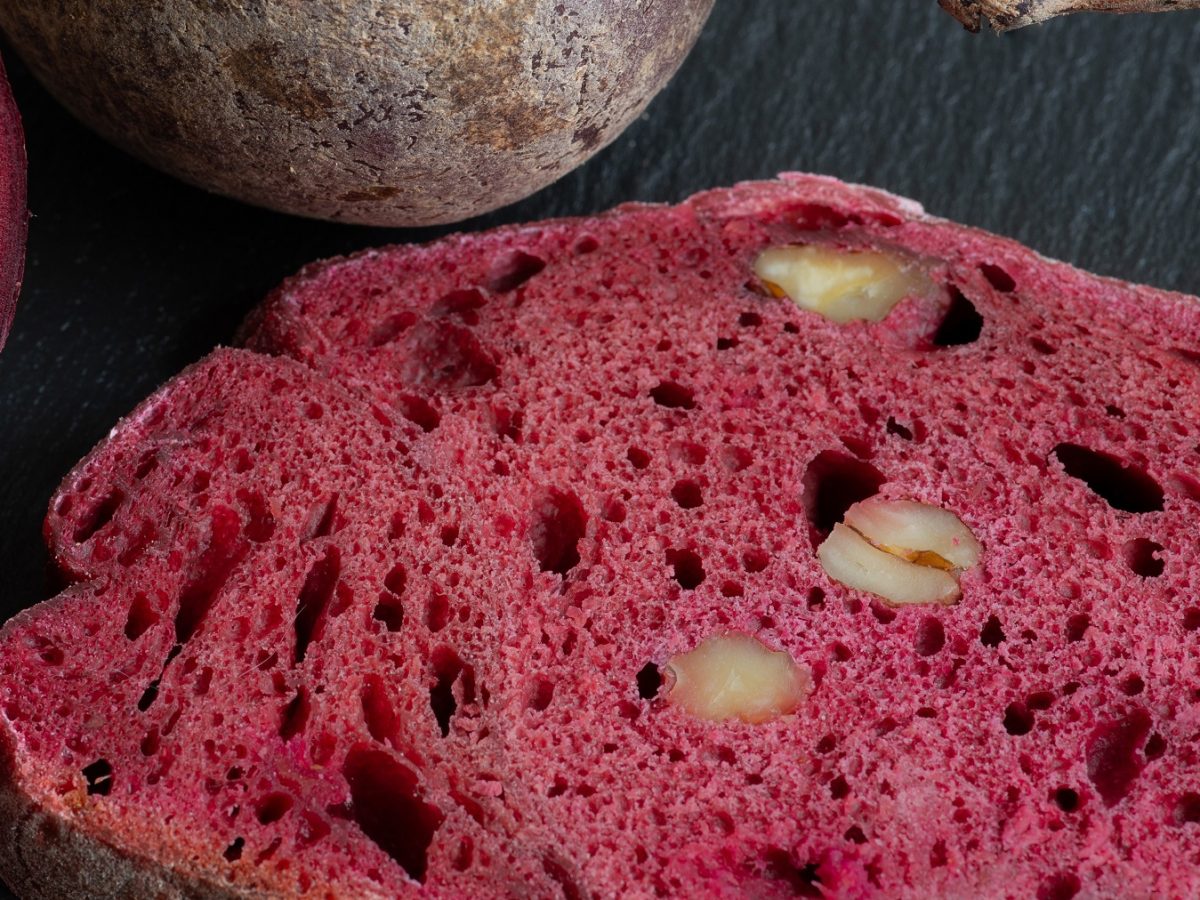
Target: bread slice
14, 217
506, 566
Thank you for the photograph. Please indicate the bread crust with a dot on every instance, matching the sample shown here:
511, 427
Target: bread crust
44, 856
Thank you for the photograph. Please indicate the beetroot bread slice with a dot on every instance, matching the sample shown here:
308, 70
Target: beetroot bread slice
410, 605
14, 217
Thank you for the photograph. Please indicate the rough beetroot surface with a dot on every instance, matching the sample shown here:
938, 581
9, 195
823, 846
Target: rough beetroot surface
383, 611
14, 218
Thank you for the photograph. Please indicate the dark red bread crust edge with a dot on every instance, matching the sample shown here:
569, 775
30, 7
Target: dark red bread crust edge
14, 215
45, 856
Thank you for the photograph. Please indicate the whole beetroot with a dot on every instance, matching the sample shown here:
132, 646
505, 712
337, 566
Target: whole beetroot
387, 112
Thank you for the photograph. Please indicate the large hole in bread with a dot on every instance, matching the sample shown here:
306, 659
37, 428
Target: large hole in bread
378, 711
833, 482
314, 598
1126, 487
386, 803
513, 271
559, 524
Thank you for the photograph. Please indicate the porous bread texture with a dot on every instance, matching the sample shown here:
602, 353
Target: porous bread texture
423, 573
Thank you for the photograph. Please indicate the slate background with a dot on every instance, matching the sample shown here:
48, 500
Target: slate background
1079, 137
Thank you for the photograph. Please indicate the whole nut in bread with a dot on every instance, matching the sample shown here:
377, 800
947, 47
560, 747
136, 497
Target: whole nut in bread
735, 676
841, 285
902, 551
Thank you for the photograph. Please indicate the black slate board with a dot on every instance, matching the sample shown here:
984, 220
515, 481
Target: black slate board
1079, 138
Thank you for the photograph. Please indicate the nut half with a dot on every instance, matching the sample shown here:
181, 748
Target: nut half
902, 551
843, 285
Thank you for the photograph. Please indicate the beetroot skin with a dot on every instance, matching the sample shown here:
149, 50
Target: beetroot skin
14, 217
380, 605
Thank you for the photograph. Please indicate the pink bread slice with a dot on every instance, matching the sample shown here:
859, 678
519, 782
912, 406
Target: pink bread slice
14, 217
388, 617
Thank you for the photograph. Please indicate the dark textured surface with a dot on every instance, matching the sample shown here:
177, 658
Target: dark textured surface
1076, 137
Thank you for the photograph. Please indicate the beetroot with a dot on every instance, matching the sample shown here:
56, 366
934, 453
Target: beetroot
14, 217
401, 596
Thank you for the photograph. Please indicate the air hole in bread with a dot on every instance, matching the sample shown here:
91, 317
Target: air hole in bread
314, 598
1191, 618
1066, 799
1122, 486
900, 431
736, 459
1187, 808
322, 520
557, 872
750, 320
558, 525
447, 666
1077, 625
998, 278
273, 807
1142, 557
672, 395
803, 881
1155, 747
437, 612
1112, 759
142, 617
387, 805
100, 514
1042, 346
686, 494
731, 589
99, 778
688, 452
391, 328
542, 695
390, 611
464, 305
1018, 719
295, 715
613, 511
962, 324
930, 637
687, 567
727, 343
212, 570
260, 523
649, 681
514, 270
1063, 886
418, 411
234, 851
755, 560
312, 829
447, 356
992, 633
833, 482
378, 712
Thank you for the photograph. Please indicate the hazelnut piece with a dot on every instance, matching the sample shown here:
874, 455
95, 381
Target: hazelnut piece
735, 676
841, 284
901, 551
